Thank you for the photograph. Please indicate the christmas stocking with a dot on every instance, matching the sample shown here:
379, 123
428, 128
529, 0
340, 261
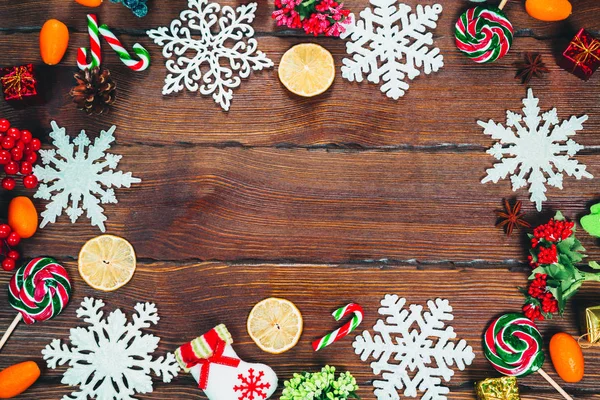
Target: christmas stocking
220, 372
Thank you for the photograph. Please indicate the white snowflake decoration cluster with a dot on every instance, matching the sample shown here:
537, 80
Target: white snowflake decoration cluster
538, 152
398, 349
390, 43
111, 359
216, 41
72, 179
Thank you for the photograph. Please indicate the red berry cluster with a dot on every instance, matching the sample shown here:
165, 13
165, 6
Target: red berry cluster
316, 17
18, 153
8, 240
553, 231
547, 304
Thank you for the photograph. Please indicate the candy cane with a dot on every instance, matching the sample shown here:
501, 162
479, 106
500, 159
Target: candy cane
345, 329
116, 45
82, 63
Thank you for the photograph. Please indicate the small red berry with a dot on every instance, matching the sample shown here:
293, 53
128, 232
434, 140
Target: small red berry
4, 125
16, 153
13, 254
26, 167
8, 142
5, 230
9, 183
31, 158
12, 168
14, 133
20, 145
26, 136
8, 264
13, 239
4, 157
36, 144
30, 181
27, 148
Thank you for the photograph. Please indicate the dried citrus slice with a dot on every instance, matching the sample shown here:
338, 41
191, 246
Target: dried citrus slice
107, 262
307, 69
275, 325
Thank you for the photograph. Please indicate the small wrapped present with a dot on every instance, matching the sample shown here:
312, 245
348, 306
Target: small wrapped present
592, 319
505, 388
19, 83
582, 57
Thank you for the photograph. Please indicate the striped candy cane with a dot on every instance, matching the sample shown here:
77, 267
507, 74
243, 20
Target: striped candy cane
116, 45
92, 22
345, 329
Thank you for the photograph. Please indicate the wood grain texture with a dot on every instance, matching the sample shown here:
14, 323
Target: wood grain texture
225, 294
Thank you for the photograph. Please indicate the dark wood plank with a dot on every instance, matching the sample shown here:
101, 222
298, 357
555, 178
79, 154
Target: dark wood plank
313, 206
225, 294
31, 14
263, 113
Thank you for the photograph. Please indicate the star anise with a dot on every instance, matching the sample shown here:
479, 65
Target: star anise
533, 66
511, 217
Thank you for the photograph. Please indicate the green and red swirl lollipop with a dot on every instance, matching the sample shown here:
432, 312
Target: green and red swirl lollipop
484, 34
39, 291
514, 346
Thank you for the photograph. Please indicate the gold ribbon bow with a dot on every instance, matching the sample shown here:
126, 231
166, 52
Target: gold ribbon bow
586, 51
13, 81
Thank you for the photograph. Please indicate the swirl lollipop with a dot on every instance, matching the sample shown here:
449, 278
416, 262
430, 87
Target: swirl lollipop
38, 291
513, 345
484, 34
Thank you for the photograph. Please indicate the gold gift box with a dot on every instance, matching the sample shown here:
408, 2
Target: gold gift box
592, 318
505, 388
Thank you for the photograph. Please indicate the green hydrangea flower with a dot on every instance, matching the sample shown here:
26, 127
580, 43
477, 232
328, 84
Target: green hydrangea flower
320, 386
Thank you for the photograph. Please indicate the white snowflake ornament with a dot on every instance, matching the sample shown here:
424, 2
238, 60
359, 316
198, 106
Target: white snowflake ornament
539, 152
111, 359
224, 44
73, 180
390, 43
398, 349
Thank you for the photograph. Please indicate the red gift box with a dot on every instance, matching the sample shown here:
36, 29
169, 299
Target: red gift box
582, 57
19, 83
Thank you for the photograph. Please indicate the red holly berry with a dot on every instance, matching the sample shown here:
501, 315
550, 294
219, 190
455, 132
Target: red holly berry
14, 133
4, 157
16, 153
13, 239
8, 264
30, 181
12, 168
8, 142
26, 136
36, 144
26, 167
31, 157
13, 254
5, 230
8, 183
4, 125
20, 145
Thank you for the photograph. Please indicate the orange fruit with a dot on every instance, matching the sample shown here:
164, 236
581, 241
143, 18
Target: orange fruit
22, 216
54, 39
17, 378
307, 69
567, 357
89, 3
549, 10
107, 262
275, 325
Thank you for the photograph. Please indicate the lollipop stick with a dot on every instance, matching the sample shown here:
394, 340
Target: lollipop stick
501, 6
554, 384
10, 329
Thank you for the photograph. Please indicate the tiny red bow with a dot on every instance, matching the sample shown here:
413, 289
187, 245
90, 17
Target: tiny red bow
216, 358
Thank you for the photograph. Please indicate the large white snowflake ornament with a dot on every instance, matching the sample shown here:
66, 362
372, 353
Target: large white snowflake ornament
537, 152
224, 44
74, 180
413, 342
111, 359
390, 43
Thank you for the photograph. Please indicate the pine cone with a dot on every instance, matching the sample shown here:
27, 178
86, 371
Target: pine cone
95, 90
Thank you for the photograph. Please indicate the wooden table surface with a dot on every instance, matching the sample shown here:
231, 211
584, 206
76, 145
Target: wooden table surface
343, 197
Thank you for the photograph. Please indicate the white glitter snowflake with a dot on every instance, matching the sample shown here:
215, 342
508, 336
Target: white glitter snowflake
400, 349
541, 150
225, 53
389, 43
111, 359
71, 174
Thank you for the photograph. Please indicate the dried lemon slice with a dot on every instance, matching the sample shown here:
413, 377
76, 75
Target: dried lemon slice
307, 69
107, 262
275, 325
